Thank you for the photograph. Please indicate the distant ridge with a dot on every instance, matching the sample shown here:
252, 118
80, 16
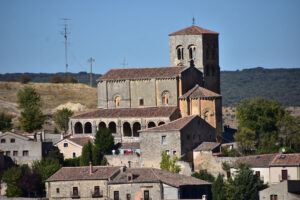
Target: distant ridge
280, 84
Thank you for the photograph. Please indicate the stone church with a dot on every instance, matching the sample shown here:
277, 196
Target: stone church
132, 100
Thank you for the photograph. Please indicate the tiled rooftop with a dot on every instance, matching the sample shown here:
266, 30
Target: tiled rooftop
199, 92
207, 146
81, 140
193, 30
263, 160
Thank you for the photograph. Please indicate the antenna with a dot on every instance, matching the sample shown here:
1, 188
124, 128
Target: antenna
193, 23
124, 63
91, 60
65, 33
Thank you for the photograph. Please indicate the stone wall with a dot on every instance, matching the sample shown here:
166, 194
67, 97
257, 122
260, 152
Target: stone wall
123, 160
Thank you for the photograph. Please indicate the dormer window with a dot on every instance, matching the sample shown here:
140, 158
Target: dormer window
179, 50
192, 52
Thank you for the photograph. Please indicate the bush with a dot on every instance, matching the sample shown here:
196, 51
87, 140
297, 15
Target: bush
25, 79
204, 175
5, 121
59, 79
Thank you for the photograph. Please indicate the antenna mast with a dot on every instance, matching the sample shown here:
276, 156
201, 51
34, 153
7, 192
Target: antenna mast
91, 60
124, 63
65, 33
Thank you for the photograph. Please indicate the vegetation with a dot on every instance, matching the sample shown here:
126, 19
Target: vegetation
218, 189
25, 79
61, 119
204, 175
46, 167
87, 154
265, 127
5, 121
104, 141
11, 177
169, 164
31, 118
59, 79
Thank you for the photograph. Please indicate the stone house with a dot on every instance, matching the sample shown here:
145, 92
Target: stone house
177, 138
285, 190
24, 148
134, 99
71, 147
107, 182
272, 168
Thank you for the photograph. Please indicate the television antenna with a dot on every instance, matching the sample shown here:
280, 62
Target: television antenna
65, 33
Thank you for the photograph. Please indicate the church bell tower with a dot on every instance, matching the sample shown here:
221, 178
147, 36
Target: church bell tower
201, 46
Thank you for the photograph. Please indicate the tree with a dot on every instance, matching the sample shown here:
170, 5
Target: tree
46, 167
87, 154
56, 154
169, 164
5, 121
218, 189
31, 183
61, 118
104, 140
204, 175
245, 139
245, 185
226, 168
31, 117
25, 79
11, 177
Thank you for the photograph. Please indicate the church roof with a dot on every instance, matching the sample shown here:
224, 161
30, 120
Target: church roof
142, 73
199, 92
167, 111
193, 30
175, 125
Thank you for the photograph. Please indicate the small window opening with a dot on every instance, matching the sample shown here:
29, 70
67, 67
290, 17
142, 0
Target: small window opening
163, 139
25, 153
12, 140
141, 102
57, 190
65, 144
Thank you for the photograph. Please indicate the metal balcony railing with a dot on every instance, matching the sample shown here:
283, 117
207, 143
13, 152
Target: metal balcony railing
75, 195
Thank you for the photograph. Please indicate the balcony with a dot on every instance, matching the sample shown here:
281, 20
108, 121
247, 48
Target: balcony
75, 195
97, 194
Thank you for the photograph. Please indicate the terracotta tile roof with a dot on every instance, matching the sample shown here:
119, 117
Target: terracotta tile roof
286, 160
207, 146
142, 73
175, 125
81, 140
199, 92
130, 145
129, 112
83, 173
193, 30
263, 160
146, 175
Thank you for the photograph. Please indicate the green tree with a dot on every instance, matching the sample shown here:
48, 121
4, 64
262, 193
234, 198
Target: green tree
11, 177
104, 140
169, 164
87, 154
61, 118
46, 167
31, 117
5, 121
226, 168
245, 185
204, 175
218, 189
245, 139
56, 154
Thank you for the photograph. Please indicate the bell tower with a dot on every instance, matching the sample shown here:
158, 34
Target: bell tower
201, 46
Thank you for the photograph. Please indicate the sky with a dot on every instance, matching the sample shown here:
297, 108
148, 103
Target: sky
253, 33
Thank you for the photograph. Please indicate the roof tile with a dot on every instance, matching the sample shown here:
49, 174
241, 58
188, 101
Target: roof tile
199, 92
193, 30
263, 160
286, 160
207, 146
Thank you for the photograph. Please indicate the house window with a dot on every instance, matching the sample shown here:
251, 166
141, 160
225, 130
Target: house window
74, 154
257, 173
179, 50
284, 174
96, 191
7, 153
168, 152
117, 101
163, 139
25, 153
146, 195
2, 140
128, 197
141, 102
116, 195
192, 52
15, 153
165, 98
12, 140
65, 144
75, 191
174, 153
57, 190
273, 197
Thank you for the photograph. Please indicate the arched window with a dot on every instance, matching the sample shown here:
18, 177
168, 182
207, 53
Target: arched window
78, 128
192, 52
165, 98
88, 127
112, 127
179, 50
151, 124
205, 115
136, 128
126, 129
101, 125
117, 100
161, 123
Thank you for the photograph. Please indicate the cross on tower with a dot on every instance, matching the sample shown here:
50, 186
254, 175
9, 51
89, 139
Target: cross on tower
193, 23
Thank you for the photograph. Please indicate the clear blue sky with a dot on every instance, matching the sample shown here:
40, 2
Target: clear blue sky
253, 33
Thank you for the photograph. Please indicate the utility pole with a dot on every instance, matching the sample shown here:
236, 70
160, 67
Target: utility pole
91, 60
65, 33
124, 64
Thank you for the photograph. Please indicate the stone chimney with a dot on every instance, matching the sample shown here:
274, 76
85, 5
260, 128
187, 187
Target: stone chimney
91, 168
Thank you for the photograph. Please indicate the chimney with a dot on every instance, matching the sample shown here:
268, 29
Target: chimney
91, 168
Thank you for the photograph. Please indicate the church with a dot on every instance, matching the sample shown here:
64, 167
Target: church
134, 100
